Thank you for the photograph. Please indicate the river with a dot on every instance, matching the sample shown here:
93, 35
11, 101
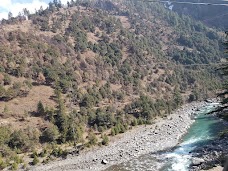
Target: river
201, 132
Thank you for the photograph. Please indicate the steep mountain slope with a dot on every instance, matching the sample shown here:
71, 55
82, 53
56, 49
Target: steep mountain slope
211, 15
100, 67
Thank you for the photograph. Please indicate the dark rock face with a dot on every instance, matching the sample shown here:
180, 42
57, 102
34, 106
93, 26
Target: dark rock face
210, 155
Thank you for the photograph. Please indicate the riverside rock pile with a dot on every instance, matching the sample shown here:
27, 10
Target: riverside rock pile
165, 133
212, 154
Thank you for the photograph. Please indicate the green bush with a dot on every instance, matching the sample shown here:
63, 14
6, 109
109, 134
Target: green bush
24, 166
105, 140
17, 159
122, 129
134, 122
42, 154
58, 152
92, 138
35, 160
55, 152
18, 140
7, 80
2, 164
40, 109
5, 133
34, 154
14, 166
113, 132
100, 129
50, 134
140, 121
116, 129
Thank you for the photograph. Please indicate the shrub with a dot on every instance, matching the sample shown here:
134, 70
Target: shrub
55, 152
17, 159
4, 135
113, 132
50, 134
116, 129
122, 129
14, 166
105, 140
19, 140
24, 166
7, 80
43, 153
134, 122
140, 121
92, 139
35, 160
40, 109
100, 129
2, 164
34, 154
58, 152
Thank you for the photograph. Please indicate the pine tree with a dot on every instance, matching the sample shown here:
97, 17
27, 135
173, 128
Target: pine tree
61, 118
177, 99
40, 109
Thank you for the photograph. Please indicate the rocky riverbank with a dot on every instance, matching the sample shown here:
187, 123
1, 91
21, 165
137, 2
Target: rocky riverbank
164, 134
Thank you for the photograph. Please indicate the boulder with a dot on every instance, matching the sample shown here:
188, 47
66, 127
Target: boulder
197, 161
208, 101
104, 161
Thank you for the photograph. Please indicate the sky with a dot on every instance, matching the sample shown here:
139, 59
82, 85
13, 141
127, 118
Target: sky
16, 6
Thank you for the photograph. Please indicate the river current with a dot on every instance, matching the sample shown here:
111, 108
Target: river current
201, 132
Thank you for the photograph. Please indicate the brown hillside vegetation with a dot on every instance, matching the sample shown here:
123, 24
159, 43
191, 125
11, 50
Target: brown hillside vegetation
99, 68
18, 106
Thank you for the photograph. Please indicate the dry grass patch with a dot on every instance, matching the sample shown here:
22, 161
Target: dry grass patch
92, 38
125, 22
18, 106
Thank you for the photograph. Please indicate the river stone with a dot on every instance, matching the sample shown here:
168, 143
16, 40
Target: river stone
104, 161
208, 101
197, 161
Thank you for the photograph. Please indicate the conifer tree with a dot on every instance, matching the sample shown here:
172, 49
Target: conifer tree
40, 109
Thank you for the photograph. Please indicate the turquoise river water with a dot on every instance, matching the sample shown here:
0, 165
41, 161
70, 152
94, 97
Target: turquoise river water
203, 130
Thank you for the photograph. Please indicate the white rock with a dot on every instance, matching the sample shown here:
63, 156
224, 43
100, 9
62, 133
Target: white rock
197, 161
104, 161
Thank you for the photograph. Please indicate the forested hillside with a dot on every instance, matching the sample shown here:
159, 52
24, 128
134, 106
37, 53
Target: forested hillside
81, 73
211, 15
